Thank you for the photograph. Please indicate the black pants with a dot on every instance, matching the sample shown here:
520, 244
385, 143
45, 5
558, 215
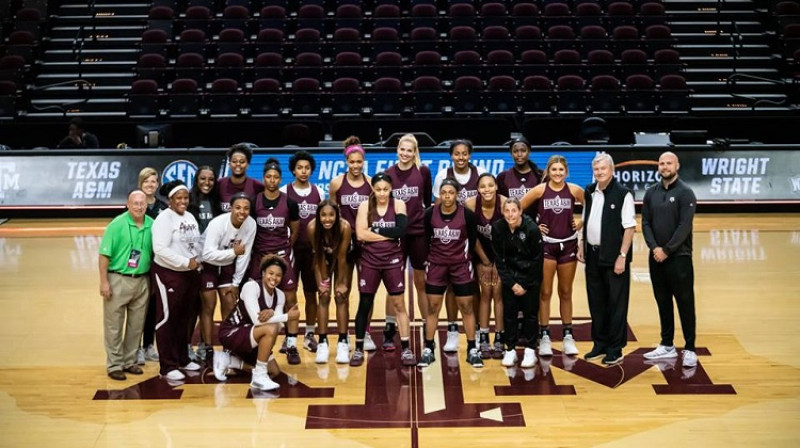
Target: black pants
674, 277
528, 303
608, 295
149, 332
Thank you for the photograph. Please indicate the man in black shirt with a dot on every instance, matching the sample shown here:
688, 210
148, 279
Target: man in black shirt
78, 138
667, 213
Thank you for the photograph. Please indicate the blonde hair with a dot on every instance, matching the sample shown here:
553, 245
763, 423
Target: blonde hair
555, 158
413, 140
145, 173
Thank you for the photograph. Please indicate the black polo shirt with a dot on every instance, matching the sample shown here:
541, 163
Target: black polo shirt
667, 214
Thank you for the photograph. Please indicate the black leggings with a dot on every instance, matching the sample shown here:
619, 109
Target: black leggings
149, 333
528, 303
362, 315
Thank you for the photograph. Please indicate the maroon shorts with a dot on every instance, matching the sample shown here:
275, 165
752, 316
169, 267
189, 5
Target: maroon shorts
214, 277
449, 274
415, 247
289, 280
304, 268
237, 339
369, 279
565, 252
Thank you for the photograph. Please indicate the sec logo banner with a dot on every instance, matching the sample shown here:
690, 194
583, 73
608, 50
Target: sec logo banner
180, 169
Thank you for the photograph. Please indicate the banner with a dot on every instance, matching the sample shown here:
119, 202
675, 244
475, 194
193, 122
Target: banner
718, 176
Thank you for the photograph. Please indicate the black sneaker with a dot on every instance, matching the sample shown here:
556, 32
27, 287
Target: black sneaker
292, 356
613, 359
596, 352
474, 358
427, 358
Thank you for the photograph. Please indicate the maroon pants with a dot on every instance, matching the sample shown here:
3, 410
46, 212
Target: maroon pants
176, 293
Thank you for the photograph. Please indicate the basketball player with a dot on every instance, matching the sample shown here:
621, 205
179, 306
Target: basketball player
466, 175
330, 238
487, 208
176, 244
307, 196
556, 201
518, 250
380, 224
248, 334
522, 176
277, 228
226, 256
239, 157
348, 191
667, 214
411, 183
451, 230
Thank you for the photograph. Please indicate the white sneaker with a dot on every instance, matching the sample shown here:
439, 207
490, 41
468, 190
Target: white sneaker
140, 357
192, 367
545, 346
150, 353
262, 381
452, 342
175, 375
570, 348
342, 353
221, 361
323, 352
510, 358
689, 358
369, 344
528, 359
662, 351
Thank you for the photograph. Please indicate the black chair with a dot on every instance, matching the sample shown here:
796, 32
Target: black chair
192, 41
306, 65
387, 97
348, 64
348, 16
620, 14
625, 37
427, 95
345, 39
652, 13
571, 94
666, 62
588, 14
528, 37
155, 41
160, 18
307, 40
536, 95
561, 37
462, 38
494, 14
346, 96
657, 37
524, 14
673, 94
556, 14
231, 66
633, 62
311, 16
8, 95
501, 95
423, 39
190, 66
593, 37
427, 63
184, 100
198, 17
567, 62
152, 66
224, 98
533, 62
273, 16
386, 16
22, 43
231, 40
271, 40
605, 94
266, 99
640, 94
495, 38
424, 15
499, 63
467, 95
388, 64
305, 98
462, 14
385, 40
236, 16
268, 65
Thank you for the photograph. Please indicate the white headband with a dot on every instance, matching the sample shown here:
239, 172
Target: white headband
177, 189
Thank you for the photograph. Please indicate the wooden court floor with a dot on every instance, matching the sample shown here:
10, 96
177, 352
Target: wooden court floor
745, 392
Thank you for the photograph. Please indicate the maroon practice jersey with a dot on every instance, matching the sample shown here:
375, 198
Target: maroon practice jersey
513, 184
485, 225
272, 231
468, 189
349, 198
307, 206
449, 240
555, 210
410, 186
380, 254
227, 189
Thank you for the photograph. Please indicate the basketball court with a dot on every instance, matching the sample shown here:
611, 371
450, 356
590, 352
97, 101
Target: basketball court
745, 391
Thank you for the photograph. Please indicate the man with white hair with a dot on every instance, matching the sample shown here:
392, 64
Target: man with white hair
609, 223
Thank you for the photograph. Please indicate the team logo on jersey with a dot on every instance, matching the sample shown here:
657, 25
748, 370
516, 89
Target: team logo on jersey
446, 234
518, 192
557, 204
181, 170
354, 200
485, 231
270, 222
463, 195
381, 224
307, 209
405, 193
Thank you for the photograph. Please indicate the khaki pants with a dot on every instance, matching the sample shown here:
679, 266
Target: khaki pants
123, 319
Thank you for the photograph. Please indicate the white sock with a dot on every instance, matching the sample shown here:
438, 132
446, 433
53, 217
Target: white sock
311, 329
291, 341
391, 319
485, 330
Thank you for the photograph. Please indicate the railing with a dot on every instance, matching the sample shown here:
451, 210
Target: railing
62, 107
731, 83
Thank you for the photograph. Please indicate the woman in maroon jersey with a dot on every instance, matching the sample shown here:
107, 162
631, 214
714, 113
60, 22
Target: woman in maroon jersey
307, 196
411, 183
487, 208
348, 191
249, 332
278, 223
330, 238
466, 175
239, 157
380, 224
451, 230
556, 204
523, 175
